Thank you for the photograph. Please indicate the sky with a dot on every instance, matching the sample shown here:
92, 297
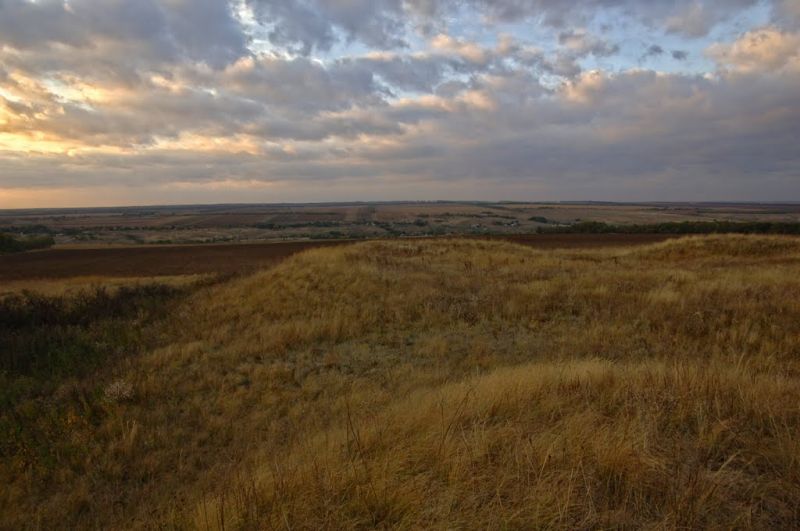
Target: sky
128, 102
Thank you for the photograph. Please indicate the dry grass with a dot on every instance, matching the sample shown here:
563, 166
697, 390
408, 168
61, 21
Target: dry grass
452, 384
589, 444
73, 285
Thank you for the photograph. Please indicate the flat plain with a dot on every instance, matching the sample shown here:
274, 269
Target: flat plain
263, 223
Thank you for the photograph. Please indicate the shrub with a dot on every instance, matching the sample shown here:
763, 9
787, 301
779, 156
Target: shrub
9, 244
49, 335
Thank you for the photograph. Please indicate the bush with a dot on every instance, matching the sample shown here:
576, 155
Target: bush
9, 244
63, 335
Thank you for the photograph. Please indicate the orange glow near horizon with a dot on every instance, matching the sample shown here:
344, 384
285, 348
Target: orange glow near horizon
63, 197
34, 198
27, 143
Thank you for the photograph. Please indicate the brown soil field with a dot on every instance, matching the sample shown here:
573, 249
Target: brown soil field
144, 261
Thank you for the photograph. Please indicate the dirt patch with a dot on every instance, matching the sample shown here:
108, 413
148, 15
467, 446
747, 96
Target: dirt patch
172, 260
148, 261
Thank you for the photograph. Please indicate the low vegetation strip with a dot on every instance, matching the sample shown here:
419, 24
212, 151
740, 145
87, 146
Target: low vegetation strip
440, 384
679, 227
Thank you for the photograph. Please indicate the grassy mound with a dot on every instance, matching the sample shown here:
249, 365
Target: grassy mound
580, 445
724, 247
430, 383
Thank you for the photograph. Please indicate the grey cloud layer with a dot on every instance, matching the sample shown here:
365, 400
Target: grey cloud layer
202, 30
182, 96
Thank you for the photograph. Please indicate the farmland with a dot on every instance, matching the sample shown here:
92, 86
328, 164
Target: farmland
228, 239
416, 383
147, 261
268, 223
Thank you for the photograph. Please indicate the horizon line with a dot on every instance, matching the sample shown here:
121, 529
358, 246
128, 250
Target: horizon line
404, 201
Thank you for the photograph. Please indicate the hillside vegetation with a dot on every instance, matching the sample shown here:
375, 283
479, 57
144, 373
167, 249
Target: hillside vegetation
446, 384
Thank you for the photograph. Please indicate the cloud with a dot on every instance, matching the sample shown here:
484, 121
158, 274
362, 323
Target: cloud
399, 94
199, 30
687, 17
300, 84
308, 25
305, 26
580, 43
760, 50
598, 129
406, 73
787, 13
205, 30
466, 50
654, 50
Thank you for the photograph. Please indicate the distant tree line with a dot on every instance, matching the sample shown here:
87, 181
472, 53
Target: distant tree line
680, 227
9, 244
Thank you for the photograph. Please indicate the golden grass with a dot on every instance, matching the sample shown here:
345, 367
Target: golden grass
573, 445
453, 384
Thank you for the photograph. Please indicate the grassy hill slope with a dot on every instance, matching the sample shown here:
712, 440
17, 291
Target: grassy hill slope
440, 384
